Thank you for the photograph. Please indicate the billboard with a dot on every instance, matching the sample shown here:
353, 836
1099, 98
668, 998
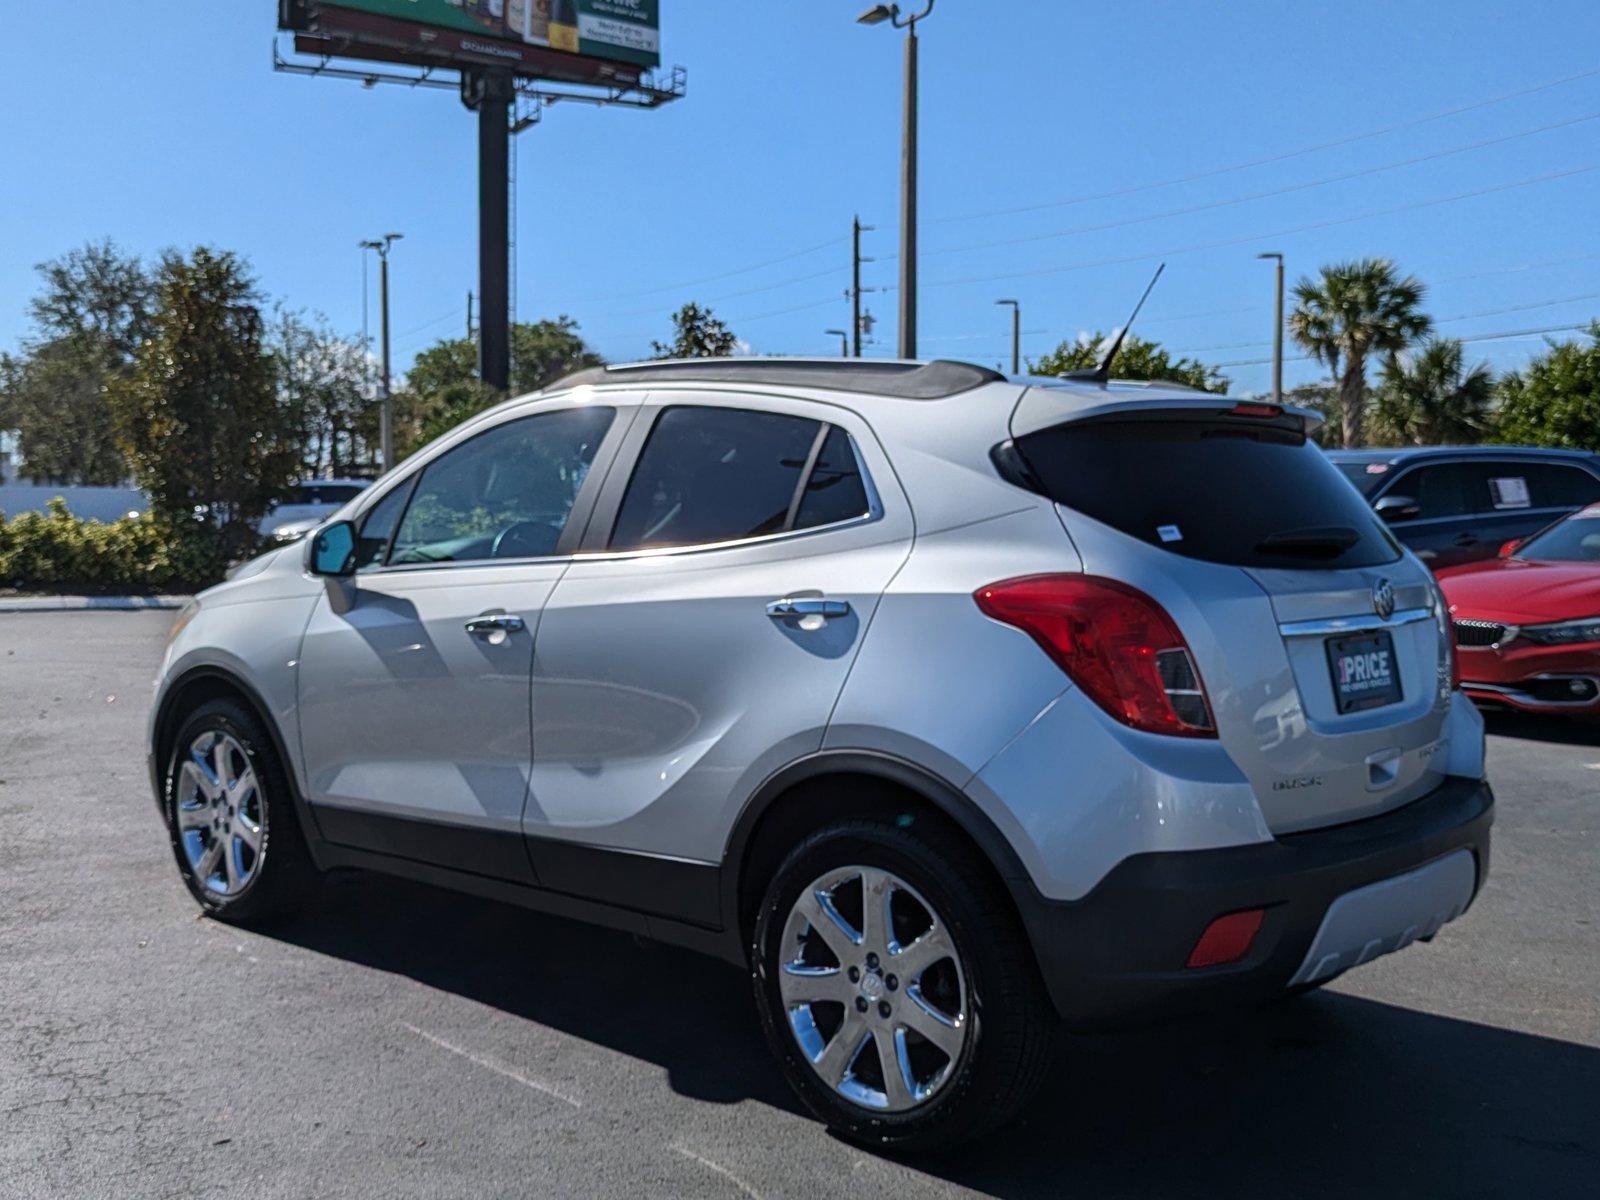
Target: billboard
544, 38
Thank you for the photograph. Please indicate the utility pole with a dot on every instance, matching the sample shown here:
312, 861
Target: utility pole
908, 170
856, 230
1016, 335
386, 411
1277, 332
469, 315
490, 93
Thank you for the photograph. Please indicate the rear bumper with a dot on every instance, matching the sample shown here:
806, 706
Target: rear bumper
1116, 957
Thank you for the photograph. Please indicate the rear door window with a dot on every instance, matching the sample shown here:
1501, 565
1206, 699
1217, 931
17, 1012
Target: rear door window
835, 491
1556, 485
709, 475
1241, 491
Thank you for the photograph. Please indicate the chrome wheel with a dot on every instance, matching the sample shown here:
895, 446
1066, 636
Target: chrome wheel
220, 814
873, 989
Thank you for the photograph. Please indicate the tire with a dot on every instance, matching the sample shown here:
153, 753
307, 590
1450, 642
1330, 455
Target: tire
211, 827
993, 1056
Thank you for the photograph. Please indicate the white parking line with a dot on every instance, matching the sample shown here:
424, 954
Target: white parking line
489, 1064
720, 1170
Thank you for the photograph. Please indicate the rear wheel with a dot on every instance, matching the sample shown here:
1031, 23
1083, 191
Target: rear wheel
230, 817
896, 988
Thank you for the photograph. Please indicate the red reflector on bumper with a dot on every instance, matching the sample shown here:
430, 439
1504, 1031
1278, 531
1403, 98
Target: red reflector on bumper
1227, 939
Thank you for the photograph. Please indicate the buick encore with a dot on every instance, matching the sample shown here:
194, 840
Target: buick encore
956, 708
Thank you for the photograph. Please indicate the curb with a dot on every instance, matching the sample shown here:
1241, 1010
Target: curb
27, 604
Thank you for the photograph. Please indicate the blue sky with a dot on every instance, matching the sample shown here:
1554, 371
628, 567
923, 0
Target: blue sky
162, 123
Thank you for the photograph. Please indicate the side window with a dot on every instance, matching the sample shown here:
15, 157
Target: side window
505, 493
835, 492
1441, 491
714, 475
377, 527
1554, 485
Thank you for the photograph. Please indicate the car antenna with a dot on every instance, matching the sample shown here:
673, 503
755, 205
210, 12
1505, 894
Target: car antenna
1102, 373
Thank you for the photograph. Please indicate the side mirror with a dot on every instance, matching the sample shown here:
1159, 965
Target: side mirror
332, 551
1511, 547
1397, 508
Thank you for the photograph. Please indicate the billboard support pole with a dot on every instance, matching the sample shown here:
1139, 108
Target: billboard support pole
491, 93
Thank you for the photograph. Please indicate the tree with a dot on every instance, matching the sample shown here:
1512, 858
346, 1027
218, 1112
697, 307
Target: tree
53, 396
1138, 359
199, 416
1556, 400
95, 290
1356, 309
1429, 397
442, 388
697, 334
322, 381
89, 316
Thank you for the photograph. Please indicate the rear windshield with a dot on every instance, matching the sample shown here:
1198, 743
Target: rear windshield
1237, 491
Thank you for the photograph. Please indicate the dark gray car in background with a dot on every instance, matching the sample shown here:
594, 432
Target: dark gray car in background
1456, 504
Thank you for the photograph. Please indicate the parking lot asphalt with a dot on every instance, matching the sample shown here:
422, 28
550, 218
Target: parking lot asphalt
400, 1041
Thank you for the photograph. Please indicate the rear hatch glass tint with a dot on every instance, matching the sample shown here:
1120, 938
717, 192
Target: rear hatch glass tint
1242, 491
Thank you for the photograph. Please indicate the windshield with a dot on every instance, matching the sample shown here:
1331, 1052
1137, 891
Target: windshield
1237, 491
1577, 539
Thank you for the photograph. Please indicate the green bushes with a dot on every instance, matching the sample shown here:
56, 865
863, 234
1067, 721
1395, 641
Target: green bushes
136, 554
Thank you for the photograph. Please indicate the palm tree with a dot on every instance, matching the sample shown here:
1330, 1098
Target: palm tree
1356, 309
1430, 397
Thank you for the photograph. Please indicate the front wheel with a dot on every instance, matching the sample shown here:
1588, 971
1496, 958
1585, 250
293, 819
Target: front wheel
897, 989
231, 819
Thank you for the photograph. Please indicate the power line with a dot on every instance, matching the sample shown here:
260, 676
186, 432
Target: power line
1113, 193
1476, 337
702, 281
1223, 243
1269, 194
1488, 312
1261, 162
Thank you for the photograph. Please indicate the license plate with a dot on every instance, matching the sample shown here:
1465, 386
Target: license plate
1364, 671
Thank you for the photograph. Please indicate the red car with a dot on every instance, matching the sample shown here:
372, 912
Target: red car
1528, 622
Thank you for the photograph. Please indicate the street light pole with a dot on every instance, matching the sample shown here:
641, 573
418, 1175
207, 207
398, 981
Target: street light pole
386, 411
908, 169
1277, 332
844, 341
1016, 335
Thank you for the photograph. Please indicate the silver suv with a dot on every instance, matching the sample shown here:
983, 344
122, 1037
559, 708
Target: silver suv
955, 707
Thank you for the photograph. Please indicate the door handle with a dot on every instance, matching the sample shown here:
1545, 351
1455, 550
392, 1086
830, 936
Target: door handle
828, 610
492, 623
1465, 539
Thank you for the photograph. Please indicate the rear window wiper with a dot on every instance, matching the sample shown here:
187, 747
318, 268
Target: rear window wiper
1327, 541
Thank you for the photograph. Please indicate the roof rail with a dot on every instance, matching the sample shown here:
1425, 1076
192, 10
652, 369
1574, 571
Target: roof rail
933, 380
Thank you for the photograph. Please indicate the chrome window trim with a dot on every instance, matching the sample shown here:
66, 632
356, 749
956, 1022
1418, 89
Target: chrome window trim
1361, 624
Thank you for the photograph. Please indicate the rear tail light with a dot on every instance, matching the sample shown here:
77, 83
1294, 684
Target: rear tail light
1227, 939
1114, 642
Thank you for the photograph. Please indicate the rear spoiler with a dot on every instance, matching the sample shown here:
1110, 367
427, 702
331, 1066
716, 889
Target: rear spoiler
1043, 407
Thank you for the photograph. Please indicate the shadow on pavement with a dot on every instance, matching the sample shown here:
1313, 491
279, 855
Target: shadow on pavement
1570, 731
1327, 1095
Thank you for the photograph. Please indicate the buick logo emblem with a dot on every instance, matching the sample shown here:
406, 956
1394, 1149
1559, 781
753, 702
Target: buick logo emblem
1383, 599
